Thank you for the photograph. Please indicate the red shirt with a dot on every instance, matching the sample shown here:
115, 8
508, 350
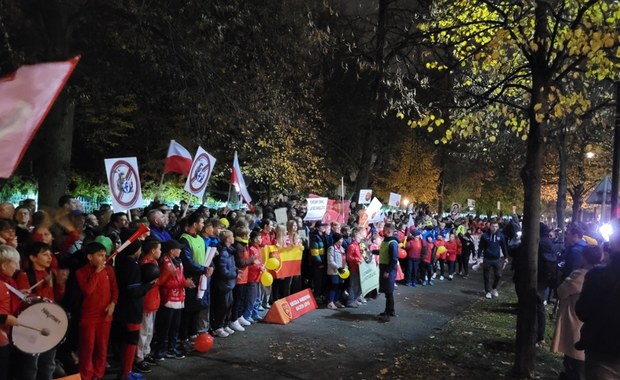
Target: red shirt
269, 238
451, 248
48, 289
151, 298
414, 248
99, 290
254, 270
354, 256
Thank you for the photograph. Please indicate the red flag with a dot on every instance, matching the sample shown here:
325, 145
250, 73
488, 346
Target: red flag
237, 179
178, 159
26, 97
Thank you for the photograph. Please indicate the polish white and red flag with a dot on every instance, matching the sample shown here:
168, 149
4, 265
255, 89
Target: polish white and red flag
237, 180
178, 159
26, 96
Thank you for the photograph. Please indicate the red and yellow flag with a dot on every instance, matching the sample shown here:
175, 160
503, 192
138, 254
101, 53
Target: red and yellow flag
289, 257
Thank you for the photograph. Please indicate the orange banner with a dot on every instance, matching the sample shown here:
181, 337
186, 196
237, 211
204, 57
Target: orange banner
292, 307
289, 257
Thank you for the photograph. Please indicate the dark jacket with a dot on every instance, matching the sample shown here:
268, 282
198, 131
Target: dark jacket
492, 246
225, 274
599, 310
131, 290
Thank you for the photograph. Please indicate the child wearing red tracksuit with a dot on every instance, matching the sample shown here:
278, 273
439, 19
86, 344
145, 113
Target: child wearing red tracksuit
97, 283
451, 253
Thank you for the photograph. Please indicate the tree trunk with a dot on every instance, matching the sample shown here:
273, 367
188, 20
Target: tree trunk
577, 201
560, 206
55, 160
531, 175
374, 102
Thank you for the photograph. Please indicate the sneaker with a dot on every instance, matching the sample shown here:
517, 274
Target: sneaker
362, 300
358, 303
158, 357
220, 333
395, 286
175, 354
251, 320
151, 360
434, 276
229, 330
236, 326
450, 277
441, 278
407, 284
267, 306
243, 322
495, 293
413, 284
353, 305
257, 318
431, 283
135, 376
141, 367
332, 306
338, 304
489, 296
261, 308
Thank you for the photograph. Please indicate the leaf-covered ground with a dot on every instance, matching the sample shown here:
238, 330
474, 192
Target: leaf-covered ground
478, 344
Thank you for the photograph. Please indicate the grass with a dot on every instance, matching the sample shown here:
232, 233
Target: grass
477, 344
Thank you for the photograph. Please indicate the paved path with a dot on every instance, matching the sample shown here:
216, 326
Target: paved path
328, 344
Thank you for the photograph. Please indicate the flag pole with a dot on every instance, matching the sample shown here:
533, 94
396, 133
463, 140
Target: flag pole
161, 184
342, 198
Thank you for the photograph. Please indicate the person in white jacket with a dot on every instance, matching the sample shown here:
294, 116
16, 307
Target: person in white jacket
336, 264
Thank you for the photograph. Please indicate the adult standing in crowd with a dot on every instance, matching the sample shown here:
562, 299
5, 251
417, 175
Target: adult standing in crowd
599, 310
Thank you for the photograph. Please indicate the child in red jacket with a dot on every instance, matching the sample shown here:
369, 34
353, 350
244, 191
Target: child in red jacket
97, 283
152, 251
172, 284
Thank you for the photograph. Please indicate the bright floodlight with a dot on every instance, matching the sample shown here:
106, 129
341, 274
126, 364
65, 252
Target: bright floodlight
405, 202
606, 231
590, 155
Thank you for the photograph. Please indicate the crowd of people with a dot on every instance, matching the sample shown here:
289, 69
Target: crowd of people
198, 271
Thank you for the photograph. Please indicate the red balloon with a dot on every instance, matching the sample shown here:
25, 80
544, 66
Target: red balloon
402, 254
203, 343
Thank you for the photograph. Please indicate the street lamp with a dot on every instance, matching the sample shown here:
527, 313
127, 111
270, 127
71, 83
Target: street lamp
589, 154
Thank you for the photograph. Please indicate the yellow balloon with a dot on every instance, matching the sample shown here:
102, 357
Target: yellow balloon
266, 279
345, 274
441, 249
272, 263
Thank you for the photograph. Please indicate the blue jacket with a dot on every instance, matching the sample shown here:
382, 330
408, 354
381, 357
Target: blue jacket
492, 246
571, 258
160, 233
225, 273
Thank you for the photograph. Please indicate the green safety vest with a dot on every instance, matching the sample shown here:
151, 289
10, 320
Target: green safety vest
197, 245
384, 252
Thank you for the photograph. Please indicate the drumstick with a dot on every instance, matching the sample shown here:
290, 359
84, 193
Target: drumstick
43, 331
30, 289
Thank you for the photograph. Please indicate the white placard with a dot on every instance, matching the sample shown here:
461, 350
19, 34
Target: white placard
124, 183
471, 204
316, 208
394, 200
281, 215
374, 211
365, 197
199, 174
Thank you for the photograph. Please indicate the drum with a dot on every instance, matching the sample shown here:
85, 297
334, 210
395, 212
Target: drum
46, 323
